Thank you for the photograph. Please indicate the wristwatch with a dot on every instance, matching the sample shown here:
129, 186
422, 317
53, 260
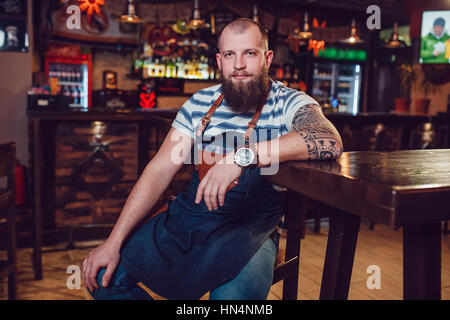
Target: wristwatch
246, 156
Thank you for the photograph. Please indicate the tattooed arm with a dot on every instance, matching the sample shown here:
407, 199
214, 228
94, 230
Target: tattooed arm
312, 137
321, 137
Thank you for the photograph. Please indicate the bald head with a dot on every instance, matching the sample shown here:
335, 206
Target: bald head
242, 25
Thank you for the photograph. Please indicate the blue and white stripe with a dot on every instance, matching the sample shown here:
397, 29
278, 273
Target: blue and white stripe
277, 113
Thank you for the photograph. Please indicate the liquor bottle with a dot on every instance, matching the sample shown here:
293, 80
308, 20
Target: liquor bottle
180, 68
197, 71
78, 75
171, 69
52, 72
63, 74
296, 76
159, 68
80, 94
75, 95
59, 74
204, 68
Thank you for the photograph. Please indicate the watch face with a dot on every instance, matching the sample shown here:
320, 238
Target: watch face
244, 157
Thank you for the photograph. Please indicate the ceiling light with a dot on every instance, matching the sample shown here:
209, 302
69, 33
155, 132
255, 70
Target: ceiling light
196, 21
353, 38
306, 32
394, 41
130, 16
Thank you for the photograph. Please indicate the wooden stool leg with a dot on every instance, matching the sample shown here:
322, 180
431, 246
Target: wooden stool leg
337, 271
295, 220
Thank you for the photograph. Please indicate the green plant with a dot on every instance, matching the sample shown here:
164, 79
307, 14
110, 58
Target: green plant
426, 85
408, 75
410, 79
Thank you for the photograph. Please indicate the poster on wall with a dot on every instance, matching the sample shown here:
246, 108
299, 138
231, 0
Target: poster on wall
435, 37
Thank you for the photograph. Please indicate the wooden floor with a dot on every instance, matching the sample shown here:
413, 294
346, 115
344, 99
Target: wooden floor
382, 247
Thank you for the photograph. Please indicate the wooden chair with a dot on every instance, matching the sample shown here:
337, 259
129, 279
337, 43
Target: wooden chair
8, 267
294, 228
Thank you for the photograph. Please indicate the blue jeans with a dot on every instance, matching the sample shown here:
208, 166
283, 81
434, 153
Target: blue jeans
252, 283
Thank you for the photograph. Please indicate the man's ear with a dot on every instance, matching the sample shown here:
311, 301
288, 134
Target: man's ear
268, 58
219, 62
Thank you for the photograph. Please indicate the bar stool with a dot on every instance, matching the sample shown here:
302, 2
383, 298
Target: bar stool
8, 267
294, 227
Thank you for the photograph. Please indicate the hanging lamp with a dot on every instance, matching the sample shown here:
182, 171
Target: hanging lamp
305, 33
353, 38
394, 41
255, 13
196, 22
130, 16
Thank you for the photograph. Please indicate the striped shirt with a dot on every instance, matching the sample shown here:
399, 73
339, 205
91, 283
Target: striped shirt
276, 116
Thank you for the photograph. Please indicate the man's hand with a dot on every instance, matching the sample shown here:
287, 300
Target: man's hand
104, 256
216, 181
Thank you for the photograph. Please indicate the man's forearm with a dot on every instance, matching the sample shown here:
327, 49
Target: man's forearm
312, 137
141, 200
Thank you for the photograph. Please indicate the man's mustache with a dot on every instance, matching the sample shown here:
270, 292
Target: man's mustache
240, 74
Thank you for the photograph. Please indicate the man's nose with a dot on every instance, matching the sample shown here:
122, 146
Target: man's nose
239, 63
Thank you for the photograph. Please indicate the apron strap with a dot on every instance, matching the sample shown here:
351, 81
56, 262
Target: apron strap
207, 119
252, 124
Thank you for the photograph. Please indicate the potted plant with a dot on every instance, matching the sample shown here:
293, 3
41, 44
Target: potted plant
408, 78
426, 86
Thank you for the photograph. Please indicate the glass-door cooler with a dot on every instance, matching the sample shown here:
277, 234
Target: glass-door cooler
338, 85
72, 70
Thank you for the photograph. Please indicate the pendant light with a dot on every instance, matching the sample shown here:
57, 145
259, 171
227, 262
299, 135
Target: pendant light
130, 16
394, 41
353, 38
305, 33
255, 13
196, 21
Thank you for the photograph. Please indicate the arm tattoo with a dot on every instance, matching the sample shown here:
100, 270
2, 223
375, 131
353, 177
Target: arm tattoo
321, 137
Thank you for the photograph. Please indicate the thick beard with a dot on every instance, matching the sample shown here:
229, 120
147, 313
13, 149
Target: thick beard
244, 97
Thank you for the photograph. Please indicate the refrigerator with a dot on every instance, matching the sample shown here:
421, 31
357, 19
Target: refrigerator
73, 70
338, 85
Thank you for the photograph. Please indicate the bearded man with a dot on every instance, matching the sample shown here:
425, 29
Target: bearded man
219, 235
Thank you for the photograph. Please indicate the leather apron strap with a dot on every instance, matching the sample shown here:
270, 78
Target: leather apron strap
203, 167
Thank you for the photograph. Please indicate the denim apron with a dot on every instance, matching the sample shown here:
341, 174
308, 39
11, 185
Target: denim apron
186, 250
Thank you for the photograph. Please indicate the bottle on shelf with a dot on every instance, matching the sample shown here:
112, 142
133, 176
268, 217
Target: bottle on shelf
78, 77
75, 95
204, 68
80, 94
159, 68
171, 69
180, 68
52, 72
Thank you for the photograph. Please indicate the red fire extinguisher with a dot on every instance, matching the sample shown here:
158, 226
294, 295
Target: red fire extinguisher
20, 184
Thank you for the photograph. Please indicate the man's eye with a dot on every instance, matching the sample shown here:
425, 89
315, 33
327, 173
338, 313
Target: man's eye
227, 54
251, 53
